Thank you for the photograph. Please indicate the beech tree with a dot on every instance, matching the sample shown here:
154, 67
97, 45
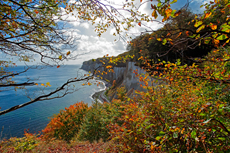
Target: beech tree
34, 28
29, 30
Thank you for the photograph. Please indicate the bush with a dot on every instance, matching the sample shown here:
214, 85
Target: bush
24, 144
67, 123
188, 113
97, 121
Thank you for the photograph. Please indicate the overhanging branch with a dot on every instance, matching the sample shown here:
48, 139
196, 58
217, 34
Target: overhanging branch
46, 96
17, 84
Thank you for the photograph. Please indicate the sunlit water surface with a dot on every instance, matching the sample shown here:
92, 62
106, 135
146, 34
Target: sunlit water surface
35, 117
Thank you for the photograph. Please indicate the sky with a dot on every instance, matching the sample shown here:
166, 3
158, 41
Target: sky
95, 46
89, 46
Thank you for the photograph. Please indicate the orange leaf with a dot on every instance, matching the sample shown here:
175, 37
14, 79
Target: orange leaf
179, 34
36, 11
168, 12
177, 13
213, 26
187, 33
140, 0
216, 42
68, 53
207, 15
139, 23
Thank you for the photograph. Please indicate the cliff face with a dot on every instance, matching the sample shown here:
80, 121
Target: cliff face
110, 76
123, 75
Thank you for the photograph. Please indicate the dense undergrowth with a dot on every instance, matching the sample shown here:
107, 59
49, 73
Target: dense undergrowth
184, 105
188, 111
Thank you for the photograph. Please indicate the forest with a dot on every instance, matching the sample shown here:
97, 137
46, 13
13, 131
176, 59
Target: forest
187, 111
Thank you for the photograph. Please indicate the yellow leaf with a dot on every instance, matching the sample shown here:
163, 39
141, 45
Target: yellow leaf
159, 39
109, 67
200, 28
198, 23
154, 14
48, 84
60, 57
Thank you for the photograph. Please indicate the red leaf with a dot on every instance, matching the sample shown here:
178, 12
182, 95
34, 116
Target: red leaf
58, 66
139, 23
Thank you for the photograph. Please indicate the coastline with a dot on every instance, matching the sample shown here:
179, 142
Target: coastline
99, 95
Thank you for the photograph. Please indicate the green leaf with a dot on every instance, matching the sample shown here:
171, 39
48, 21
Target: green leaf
194, 35
174, 1
221, 105
222, 138
202, 114
159, 4
193, 134
162, 133
173, 12
158, 137
222, 37
164, 42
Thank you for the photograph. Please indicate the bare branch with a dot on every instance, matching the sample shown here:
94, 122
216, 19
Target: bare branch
17, 84
47, 96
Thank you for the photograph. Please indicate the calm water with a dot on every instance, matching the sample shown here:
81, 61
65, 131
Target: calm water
36, 116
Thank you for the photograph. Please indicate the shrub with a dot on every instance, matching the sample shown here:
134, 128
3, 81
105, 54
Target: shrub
67, 123
24, 144
188, 113
97, 120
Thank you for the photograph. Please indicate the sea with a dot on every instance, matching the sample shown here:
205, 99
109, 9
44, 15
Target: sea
36, 116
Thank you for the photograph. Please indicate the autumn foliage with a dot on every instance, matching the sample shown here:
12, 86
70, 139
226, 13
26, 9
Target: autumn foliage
67, 123
183, 106
188, 111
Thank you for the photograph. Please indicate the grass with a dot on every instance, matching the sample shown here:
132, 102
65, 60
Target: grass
35, 144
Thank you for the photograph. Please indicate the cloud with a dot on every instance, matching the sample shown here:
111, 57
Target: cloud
88, 45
